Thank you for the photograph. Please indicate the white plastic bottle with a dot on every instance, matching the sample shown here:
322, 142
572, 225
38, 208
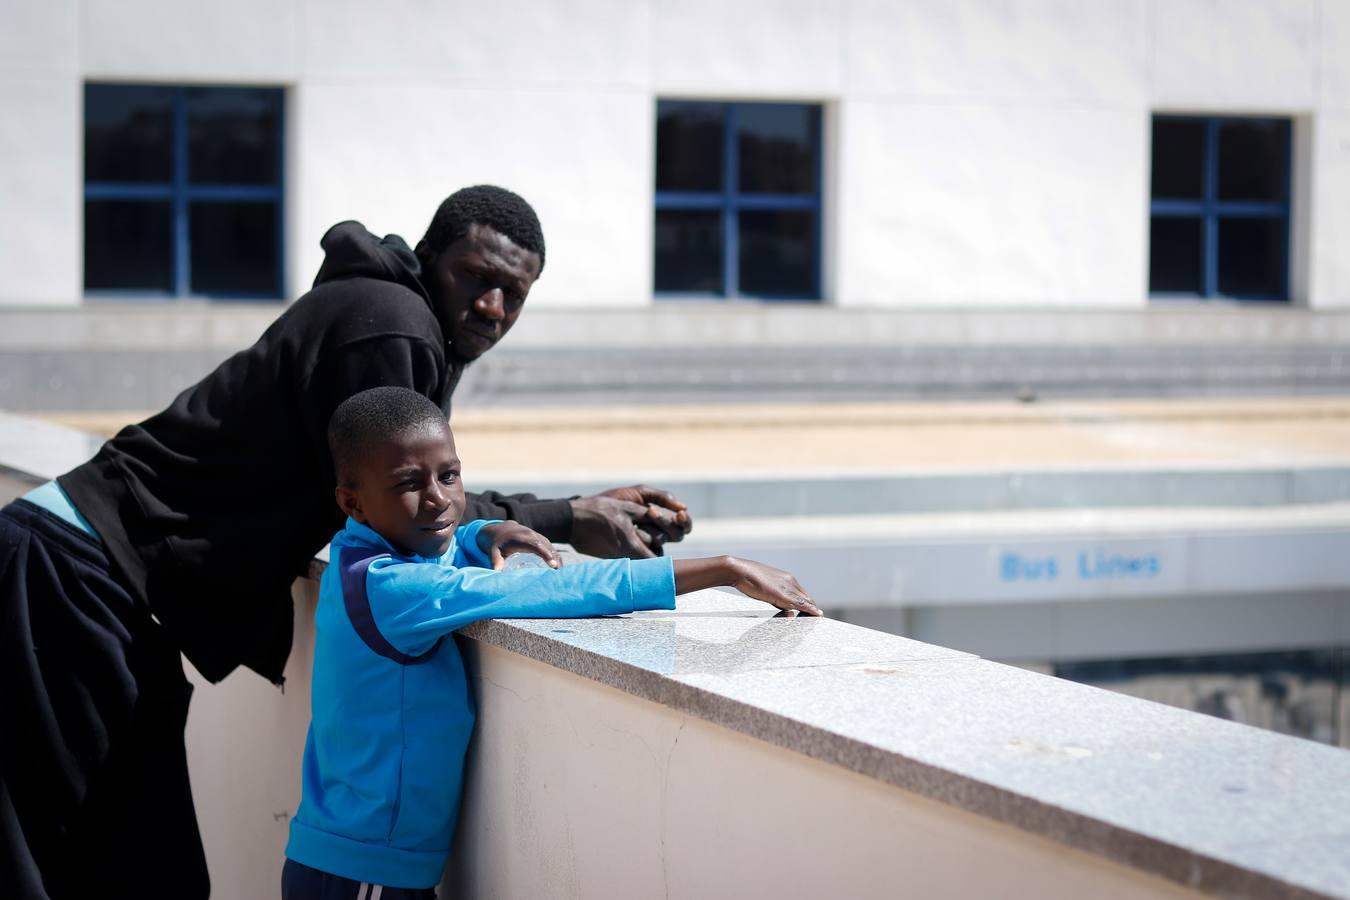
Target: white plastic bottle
524, 560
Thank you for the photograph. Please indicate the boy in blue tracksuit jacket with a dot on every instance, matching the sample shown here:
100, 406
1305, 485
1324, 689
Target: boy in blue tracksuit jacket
392, 711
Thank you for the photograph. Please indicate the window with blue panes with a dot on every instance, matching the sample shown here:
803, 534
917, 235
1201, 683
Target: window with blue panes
183, 191
738, 200
1219, 224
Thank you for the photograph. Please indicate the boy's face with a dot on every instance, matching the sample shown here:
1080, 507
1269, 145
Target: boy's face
408, 489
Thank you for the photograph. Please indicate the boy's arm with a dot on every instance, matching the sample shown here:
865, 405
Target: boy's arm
415, 604
468, 547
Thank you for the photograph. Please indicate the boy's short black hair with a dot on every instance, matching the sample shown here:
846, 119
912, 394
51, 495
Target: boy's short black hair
373, 417
486, 204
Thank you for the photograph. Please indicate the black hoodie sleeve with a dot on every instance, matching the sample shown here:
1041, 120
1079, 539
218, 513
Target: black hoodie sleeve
551, 518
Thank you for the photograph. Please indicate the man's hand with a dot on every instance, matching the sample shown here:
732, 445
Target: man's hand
632, 521
504, 538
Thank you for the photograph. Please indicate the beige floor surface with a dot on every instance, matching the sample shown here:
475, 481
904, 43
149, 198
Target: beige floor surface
832, 437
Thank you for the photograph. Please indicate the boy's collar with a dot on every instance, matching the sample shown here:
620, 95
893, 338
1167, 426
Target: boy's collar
364, 534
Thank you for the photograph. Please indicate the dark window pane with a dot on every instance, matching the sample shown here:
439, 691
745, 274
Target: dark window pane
127, 245
1251, 258
128, 133
1176, 260
1178, 159
234, 248
689, 250
778, 145
777, 254
689, 146
233, 135
1251, 160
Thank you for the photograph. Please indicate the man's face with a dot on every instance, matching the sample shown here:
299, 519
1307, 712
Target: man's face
409, 491
478, 285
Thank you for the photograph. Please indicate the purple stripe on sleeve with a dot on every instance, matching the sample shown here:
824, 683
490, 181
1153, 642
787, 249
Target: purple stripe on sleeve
353, 564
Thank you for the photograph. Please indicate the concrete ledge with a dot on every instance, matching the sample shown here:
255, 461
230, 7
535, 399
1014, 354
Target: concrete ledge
1214, 806
35, 451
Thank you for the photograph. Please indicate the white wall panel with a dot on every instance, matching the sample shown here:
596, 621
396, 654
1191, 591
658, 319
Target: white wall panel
992, 205
986, 151
504, 44
40, 191
38, 36
1331, 212
1024, 49
1334, 54
773, 48
244, 41
1238, 55
581, 158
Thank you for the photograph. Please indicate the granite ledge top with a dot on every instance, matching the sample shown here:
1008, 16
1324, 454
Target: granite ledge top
1219, 807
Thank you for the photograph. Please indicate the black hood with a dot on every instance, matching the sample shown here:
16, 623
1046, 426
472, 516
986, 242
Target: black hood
351, 251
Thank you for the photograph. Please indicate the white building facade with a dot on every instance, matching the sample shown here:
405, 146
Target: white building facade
968, 153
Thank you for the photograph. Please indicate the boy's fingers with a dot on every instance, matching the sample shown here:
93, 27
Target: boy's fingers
544, 549
803, 600
498, 561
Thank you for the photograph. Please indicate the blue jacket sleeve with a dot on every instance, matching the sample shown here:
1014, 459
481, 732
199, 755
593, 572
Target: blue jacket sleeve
414, 604
467, 551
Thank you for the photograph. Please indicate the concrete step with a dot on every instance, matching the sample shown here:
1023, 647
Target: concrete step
1032, 556
738, 494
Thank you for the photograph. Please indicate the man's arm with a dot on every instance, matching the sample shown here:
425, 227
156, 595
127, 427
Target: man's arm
551, 518
635, 521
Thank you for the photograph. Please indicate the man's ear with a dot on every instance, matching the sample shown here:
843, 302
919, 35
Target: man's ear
349, 503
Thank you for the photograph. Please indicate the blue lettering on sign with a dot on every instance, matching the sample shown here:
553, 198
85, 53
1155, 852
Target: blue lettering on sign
1099, 564
1093, 565
1015, 567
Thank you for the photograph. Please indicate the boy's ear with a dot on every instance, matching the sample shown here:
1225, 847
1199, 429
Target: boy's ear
349, 503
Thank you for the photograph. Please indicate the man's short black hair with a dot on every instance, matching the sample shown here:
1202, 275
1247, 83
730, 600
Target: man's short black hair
486, 204
374, 417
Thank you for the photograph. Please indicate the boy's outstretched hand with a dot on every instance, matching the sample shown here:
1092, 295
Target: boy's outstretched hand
504, 538
773, 586
754, 579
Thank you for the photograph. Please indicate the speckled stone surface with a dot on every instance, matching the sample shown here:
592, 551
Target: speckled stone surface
679, 645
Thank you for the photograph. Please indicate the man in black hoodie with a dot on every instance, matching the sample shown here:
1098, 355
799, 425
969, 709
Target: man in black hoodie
186, 530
